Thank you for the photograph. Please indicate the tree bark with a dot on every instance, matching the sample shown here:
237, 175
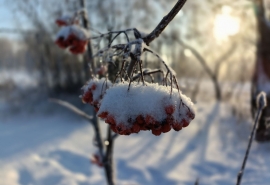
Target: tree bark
262, 69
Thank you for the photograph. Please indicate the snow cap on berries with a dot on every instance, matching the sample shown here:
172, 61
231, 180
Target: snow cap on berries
145, 107
94, 90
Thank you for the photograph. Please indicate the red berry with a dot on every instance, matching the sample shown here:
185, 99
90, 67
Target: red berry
103, 115
140, 120
120, 128
61, 42
110, 120
170, 120
149, 120
156, 132
144, 127
166, 127
190, 114
77, 49
157, 125
185, 123
113, 127
169, 109
96, 108
60, 22
87, 97
177, 126
136, 128
93, 87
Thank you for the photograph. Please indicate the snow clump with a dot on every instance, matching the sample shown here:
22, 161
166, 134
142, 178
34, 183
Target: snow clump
145, 107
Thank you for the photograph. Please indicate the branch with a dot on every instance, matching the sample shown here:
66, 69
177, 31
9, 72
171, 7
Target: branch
109, 156
199, 58
147, 72
261, 104
72, 108
197, 181
89, 46
223, 58
164, 22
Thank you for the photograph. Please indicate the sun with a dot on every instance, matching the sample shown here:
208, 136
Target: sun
225, 25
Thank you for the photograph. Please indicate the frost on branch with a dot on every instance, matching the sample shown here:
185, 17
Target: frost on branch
73, 37
94, 90
145, 107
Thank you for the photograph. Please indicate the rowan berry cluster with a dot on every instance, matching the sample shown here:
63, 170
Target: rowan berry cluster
71, 35
129, 104
94, 90
130, 109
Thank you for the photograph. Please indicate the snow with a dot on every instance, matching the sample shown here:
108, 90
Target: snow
78, 31
97, 87
261, 100
50, 145
19, 78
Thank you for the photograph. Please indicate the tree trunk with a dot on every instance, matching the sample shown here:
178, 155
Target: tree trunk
261, 76
217, 88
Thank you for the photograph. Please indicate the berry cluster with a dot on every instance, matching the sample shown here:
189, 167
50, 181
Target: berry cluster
150, 107
72, 36
94, 90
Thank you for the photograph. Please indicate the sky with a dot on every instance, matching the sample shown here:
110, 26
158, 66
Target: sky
6, 17
7, 20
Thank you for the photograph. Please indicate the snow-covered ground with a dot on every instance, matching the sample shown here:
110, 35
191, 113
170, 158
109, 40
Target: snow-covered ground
50, 145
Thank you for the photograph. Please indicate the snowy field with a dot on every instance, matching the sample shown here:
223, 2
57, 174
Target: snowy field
44, 144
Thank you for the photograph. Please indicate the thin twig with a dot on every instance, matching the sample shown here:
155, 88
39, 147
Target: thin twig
199, 57
197, 181
72, 108
142, 76
147, 73
261, 104
89, 46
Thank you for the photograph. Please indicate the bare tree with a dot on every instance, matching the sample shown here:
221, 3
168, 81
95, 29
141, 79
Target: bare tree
213, 74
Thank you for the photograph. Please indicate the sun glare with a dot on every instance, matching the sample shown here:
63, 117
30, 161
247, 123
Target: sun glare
225, 25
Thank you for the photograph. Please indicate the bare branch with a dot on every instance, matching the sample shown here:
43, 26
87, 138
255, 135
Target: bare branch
164, 22
224, 58
109, 156
89, 46
147, 72
199, 57
72, 108
261, 98
197, 181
